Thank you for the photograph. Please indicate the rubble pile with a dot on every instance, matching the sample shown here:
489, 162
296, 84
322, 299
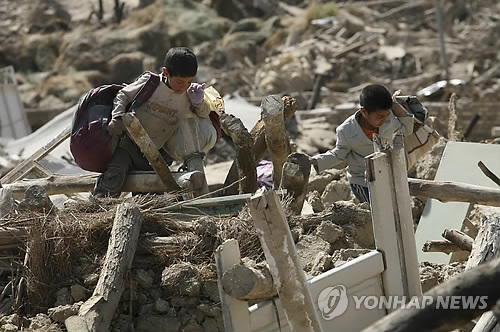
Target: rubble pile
51, 257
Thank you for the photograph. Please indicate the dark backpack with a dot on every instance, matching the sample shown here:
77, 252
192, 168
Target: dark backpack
414, 106
90, 143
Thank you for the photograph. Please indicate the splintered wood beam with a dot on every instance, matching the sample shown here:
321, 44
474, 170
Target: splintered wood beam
276, 136
462, 240
486, 247
144, 142
26, 166
295, 178
259, 143
444, 246
279, 248
479, 282
98, 311
249, 282
245, 156
135, 182
447, 191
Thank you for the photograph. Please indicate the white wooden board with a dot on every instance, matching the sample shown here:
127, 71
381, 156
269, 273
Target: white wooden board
13, 119
459, 164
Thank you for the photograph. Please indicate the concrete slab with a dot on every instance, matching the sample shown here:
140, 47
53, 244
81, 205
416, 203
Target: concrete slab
459, 164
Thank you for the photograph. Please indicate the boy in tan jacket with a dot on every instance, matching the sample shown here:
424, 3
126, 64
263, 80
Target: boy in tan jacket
176, 117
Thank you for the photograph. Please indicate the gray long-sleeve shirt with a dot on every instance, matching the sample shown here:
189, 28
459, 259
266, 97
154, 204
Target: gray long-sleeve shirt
353, 145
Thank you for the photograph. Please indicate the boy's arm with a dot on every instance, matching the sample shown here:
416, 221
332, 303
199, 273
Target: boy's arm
335, 158
404, 119
126, 95
120, 103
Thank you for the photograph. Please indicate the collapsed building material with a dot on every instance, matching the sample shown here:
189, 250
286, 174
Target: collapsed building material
440, 246
6, 201
234, 311
390, 203
295, 178
259, 142
245, 156
278, 245
28, 164
96, 313
481, 281
246, 282
276, 137
144, 142
135, 182
462, 240
486, 248
448, 191
36, 198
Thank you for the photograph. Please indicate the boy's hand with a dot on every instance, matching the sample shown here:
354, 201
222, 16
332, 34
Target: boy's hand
195, 93
116, 127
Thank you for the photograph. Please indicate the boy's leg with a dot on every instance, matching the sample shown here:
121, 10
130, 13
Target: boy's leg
361, 192
127, 156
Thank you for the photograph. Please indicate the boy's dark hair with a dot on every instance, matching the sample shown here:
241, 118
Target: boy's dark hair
181, 61
375, 97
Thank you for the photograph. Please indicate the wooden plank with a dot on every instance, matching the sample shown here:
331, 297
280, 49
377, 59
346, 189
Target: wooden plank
234, 312
245, 155
404, 217
144, 142
98, 311
135, 182
284, 263
384, 223
24, 167
276, 136
361, 277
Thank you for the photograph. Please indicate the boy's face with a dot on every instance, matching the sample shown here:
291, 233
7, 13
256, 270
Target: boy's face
178, 83
375, 119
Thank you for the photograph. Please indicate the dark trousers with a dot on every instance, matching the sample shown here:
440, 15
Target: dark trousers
126, 157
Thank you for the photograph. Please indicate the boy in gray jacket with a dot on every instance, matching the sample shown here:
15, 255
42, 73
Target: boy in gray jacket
176, 118
378, 115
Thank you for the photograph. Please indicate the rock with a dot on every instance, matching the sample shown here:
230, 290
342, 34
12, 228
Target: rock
8, 328
180, 279
329, 232
426, 168
127, 67
60, 313
346, 255
336, 191
210, 288
13, 319
79, 293
322, 262
144, 278
66, 88
48, 16
318, 182
161, 305
210, 324
192, 326
308, 247
91, 280
6, 202
184, 302
148, 323
314, 199
39, 321
63, 296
